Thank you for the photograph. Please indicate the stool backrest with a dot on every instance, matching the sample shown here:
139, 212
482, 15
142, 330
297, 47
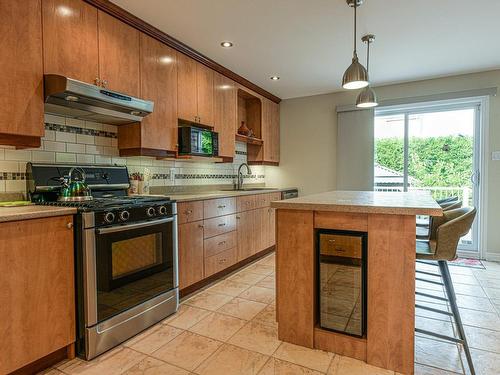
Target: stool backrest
446, 200
451, 205
448, 230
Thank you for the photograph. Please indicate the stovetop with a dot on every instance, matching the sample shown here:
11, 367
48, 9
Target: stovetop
98, 204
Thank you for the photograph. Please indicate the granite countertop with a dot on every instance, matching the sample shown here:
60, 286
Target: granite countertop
411, 203
196, 196
33, 212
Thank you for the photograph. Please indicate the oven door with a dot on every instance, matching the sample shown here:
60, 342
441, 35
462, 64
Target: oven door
132, 264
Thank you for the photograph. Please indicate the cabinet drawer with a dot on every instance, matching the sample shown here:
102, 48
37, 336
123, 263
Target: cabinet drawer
246, 202
217, 244
189, 211
219, 225
220, 261
341, 246
275, 196
219, 207
262, 200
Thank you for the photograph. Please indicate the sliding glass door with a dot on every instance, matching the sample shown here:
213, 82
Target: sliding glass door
431, 148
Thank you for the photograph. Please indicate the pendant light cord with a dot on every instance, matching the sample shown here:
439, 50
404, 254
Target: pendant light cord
355, 18
368, 57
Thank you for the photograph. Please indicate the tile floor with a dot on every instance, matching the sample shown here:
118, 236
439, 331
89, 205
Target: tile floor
229, 328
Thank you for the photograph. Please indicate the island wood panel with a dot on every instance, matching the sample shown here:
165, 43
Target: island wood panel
341, 221
37, 294
70, 39
21, 102
191, 257
296, 279
391, 292
338, 343
118, 55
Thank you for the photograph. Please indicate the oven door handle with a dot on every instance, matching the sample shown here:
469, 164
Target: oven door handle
122, 228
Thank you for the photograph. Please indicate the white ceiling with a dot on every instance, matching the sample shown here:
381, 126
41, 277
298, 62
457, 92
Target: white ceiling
308, 43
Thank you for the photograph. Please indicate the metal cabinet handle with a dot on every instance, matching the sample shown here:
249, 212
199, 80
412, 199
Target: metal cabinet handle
238, 217
222, 224
222, 242
104, 83
187, 212
97, 81
69, 225
201, 226
221, 207
223, 260
331, 241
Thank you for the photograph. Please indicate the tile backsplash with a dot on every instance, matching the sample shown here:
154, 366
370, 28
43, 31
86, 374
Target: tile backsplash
72, 141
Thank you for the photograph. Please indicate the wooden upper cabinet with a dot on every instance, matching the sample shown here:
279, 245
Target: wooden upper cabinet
270, 131
21, 102
205, 94
225, 113
118, 55
70, 39
158, 131
195, 91
187, 93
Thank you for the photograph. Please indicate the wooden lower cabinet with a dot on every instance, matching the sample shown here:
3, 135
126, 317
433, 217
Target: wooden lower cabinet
213, 244
245, 226
190, 253
37, 290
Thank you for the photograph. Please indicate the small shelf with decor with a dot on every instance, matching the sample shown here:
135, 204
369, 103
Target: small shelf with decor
249, 117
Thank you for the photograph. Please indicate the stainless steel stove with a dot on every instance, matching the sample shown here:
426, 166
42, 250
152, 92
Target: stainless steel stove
125, 251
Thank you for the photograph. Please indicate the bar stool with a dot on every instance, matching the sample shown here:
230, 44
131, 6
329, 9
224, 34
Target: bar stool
446, 232
424, 231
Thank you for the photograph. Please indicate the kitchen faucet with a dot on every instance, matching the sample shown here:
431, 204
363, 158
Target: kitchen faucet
240, 175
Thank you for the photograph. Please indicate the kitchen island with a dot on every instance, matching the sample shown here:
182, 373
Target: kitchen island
383, 263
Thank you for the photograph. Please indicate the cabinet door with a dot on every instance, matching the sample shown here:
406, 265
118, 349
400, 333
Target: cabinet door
190, 253
245, 224
21, 102
270, 131
187, 106
225, 113
205, 94
118, 55
261, 229
159, 84
70, 39
37, 297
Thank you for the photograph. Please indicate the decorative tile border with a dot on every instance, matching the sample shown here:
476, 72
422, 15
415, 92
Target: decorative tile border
213, 176
237, 152
76, 130
4, 176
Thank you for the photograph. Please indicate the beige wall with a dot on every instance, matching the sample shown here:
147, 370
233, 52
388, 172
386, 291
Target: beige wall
309, 133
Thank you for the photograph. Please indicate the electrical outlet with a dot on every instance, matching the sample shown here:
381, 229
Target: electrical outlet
172, 174
495, 155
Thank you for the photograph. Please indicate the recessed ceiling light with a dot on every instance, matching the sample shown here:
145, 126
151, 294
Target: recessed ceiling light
274, 78
226, 44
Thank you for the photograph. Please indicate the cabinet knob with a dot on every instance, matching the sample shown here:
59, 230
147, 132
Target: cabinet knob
69, 225
97, 81
104, 83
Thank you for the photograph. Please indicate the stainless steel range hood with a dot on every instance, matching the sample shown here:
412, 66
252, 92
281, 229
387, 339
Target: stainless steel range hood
72, 98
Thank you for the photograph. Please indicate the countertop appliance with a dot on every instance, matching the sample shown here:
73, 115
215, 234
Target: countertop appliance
69, 97
198, 141
289, 194
342, 281
125, 252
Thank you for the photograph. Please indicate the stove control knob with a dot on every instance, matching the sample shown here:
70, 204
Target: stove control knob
124, 215
162, 210
109, 217
150, 212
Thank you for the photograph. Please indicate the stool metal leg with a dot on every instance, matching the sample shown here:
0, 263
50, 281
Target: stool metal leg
450, 291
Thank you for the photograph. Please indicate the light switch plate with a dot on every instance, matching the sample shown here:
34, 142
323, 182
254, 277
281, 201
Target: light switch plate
495, 155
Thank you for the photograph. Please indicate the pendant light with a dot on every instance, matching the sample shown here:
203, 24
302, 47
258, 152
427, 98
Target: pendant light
356, 76
367, 97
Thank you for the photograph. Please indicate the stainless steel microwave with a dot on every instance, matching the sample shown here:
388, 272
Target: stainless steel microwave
198, 141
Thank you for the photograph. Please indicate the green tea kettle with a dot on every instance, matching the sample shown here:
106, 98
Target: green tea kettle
75, 189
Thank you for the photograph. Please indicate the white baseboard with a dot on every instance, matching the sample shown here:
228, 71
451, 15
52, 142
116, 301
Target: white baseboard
492, 257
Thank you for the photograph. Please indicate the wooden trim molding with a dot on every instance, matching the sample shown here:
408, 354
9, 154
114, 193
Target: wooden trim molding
20, 141
43, 363
134, 21
147, 152
272, 163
